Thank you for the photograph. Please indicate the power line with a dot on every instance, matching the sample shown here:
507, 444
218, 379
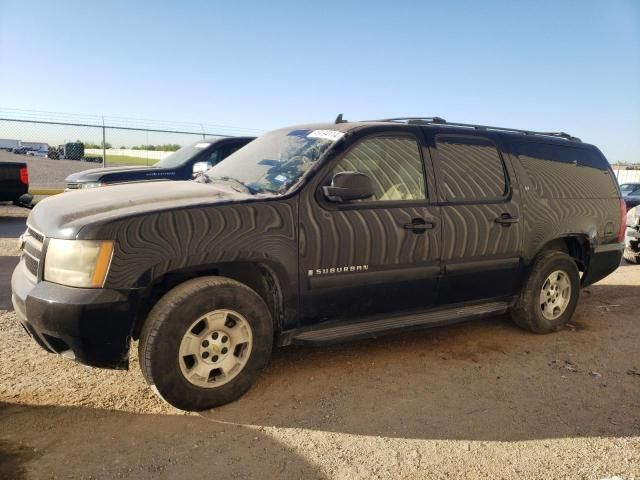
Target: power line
125, 123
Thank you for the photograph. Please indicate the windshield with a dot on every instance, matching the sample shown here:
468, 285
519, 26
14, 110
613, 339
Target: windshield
275, 161
181, 156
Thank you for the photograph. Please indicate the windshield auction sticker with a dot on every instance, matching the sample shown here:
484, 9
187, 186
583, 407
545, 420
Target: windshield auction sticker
201, 145
332, 135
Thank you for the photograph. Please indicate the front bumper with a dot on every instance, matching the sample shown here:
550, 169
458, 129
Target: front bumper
91, 326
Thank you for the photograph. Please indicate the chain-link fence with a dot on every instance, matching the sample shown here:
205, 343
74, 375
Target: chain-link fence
54, 145
627, 175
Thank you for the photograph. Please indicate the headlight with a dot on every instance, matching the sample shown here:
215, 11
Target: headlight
78, 263
91, 184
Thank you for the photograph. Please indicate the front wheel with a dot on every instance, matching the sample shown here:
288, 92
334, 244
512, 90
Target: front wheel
550, 294
205, 343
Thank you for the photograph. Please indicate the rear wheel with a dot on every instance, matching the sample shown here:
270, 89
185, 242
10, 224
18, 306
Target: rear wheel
550, 294
205, 343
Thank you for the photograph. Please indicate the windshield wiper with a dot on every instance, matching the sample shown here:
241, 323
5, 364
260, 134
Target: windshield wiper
235, 181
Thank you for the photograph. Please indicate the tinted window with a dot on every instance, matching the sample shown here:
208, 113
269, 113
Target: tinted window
393, 164
223, 152
214, 157
565, 171
183, 155
470, 169
585, 157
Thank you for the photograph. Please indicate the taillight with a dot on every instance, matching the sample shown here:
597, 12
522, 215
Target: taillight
623, 220
24, 175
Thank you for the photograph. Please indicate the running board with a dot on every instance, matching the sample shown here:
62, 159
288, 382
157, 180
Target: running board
335, 331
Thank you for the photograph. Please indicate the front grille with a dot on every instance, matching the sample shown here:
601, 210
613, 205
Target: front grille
38, 236
73, 186
32, 252
31, 264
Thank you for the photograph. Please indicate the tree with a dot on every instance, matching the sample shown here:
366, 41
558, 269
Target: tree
169, 147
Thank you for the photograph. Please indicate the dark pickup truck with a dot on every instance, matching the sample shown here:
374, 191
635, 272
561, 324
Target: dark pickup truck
317, 234
14, 182
184, 164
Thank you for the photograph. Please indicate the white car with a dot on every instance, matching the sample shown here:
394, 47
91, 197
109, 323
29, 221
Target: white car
38, 153
632, 236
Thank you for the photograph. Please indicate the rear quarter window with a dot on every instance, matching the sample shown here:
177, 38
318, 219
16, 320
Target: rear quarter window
559, 171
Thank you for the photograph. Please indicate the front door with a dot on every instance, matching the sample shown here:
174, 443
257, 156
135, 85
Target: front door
482, 228
378, 255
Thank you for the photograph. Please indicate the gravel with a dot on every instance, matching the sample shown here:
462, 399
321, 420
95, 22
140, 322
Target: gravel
479, 400
46, 173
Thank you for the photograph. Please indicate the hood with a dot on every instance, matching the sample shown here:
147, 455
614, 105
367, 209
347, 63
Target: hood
63, 215
97, 174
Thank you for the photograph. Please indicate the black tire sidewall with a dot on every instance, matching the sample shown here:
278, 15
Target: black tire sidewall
163, 367
555, 262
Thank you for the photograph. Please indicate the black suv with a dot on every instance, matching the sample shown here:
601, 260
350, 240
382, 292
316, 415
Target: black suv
318, 233
183, 164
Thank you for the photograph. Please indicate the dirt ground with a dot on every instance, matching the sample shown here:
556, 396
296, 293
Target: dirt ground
478, 400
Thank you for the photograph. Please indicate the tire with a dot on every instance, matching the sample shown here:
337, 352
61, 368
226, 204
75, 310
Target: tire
172, 333
631, 256
529, 313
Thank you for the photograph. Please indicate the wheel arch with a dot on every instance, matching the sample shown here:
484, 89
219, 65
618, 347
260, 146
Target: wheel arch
577, 246
261, 277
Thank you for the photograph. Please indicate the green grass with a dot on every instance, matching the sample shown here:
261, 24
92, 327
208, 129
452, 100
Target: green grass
125, 160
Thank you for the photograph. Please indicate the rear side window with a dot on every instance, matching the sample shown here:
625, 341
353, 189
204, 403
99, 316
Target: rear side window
470, 169
565, 171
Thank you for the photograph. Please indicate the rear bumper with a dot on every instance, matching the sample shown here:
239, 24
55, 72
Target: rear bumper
91, 326
603, 261
11, 193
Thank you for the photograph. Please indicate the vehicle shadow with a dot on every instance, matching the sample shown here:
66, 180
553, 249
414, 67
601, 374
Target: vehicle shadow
76, 442
483, 380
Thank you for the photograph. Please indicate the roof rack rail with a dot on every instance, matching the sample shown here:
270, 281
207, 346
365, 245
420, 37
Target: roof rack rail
442, 121
416, 120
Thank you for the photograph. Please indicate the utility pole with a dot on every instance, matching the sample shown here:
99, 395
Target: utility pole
104, 146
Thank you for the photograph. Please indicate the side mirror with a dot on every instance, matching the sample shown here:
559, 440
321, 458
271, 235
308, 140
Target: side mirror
200, 167
348, 186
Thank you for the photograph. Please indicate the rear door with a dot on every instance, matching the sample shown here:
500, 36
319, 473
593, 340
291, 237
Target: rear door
481, 224
377, 255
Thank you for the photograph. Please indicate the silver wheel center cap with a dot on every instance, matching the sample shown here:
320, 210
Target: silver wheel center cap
215, 348
555, 294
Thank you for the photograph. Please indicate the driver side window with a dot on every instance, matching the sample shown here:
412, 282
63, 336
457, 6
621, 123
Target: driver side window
393, 164
214, 157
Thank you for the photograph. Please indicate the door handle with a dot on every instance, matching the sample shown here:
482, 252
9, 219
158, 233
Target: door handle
507, 219
419, 225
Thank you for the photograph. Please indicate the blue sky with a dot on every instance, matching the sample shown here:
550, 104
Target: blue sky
556, 65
